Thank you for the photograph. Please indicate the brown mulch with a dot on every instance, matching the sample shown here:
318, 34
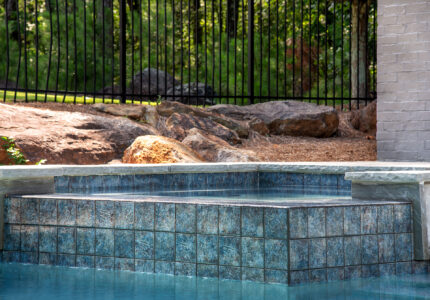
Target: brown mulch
351, 145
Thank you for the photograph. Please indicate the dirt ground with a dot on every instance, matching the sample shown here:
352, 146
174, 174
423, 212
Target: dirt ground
278, 148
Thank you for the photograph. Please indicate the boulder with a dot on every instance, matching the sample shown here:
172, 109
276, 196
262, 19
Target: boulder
364, 119
214, 149
166, 109
144, 113
115, 89
69, 137
152, 149
148, 79
194, 93
286, 117
178, 125
10, 84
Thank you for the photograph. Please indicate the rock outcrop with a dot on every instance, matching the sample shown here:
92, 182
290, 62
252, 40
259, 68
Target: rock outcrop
152, 149
364, 119
152, 82
286, 117
214, 149
69, 137
194, 93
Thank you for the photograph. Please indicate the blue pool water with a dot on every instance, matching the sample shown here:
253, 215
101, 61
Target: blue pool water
48, 282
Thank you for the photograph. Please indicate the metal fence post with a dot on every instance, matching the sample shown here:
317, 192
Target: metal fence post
251, 51
123, 49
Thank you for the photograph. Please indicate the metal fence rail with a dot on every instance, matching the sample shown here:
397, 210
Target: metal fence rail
195, 51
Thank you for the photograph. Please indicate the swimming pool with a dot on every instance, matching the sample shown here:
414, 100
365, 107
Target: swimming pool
46, 282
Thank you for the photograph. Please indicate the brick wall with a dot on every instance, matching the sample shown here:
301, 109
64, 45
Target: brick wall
403, 80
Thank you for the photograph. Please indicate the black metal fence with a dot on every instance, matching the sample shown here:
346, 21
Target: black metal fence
194, 51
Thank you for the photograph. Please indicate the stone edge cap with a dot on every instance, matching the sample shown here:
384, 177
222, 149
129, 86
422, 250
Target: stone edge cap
388, 177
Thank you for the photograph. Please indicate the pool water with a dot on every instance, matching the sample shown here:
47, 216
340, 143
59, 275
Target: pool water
19, 281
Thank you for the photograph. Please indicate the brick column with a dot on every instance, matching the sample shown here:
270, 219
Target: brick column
403, 80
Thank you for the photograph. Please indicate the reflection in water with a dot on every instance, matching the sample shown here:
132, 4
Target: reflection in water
47, 282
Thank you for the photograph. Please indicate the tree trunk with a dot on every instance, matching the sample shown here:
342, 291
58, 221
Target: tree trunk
12, 9
232, 17
359, 54
195, 21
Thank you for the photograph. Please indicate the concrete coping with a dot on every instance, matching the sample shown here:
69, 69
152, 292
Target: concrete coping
393, 177
28, 172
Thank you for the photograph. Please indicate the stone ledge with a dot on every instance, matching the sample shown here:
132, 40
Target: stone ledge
20, 172
388, 177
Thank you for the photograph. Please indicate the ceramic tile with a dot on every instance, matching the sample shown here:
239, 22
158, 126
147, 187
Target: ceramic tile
124, 243
144, 243
207, 219
275, 223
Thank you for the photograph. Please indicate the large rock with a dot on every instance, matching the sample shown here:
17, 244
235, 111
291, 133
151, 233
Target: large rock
364, 119
69, 137
214, 149
178, 125
144, 113
166, 109
286, 117
151, 149
148, 79
194, 93
10, 84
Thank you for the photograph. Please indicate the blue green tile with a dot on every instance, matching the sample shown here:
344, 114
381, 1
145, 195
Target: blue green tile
186, 218
164, 267
298, 219
276, 276
85, 261
185, 247
165, 217
299, 254
317, 253
48, 259
124, 243
106, 263
48, 212
67, 240
253, 274
403, 246
207, 219
85, 214
276, 254
387, 270
126, 182
209, 271
275, 223
67, 212
252, 222
342, 183
29, 210
85, 243
403, 268
144, 216
104, 242
185, 269
369, 249
12, 212
229, 250
11, 256
66, 260
78, 184
61, 184
334, 221
124, 215
124, 264
156, 182
335, 252
353, 272
352, 220
270, 179
370, 271
329, 180
369, 216
229, 220
164, 246
352, 246
95, 184
334, 274
312, 180
299, 277
29, 238
386, 248
318, 275
402, 218
385, 219
11, 239
144, 266
253, 252
229, 272
141, 183
316, 222
48, 239
197, 180
144, 243
294, 179
105, 214
111, 183
420, 267
207, 248
29, 258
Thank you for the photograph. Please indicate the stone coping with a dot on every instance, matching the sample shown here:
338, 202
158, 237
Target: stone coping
20, 172
394, 177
